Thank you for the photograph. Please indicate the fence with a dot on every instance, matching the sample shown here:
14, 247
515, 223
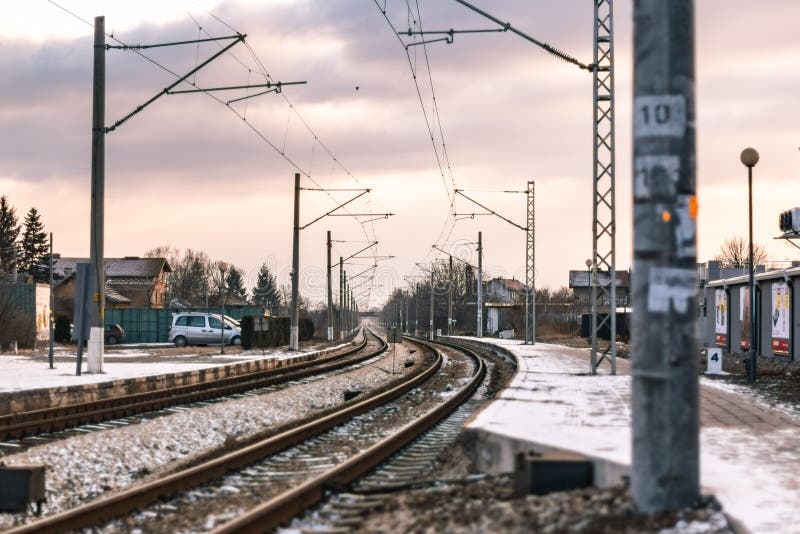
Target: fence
149, 325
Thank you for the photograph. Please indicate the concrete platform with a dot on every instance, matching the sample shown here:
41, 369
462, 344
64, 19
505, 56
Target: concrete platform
27, 383
750, 457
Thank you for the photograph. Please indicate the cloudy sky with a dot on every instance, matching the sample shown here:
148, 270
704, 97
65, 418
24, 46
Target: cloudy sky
191, 172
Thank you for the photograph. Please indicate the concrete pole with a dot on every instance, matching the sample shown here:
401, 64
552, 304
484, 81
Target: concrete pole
416, 310
96, 250
341, 298
430, 332
294, 332
330, 292
223, 267
665, 470
450, 298
50, 325
479, 306
345, 316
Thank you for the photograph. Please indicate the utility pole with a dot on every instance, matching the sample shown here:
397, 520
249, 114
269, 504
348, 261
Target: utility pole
530, 267
294, 332
96, 251
50, 325
450, 299
604, 218
400, 305
665, 470
341, 298
430, 333
416, 310
479, 313
330, 292
346, 306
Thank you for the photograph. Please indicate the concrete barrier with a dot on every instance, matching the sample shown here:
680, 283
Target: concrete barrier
36, 399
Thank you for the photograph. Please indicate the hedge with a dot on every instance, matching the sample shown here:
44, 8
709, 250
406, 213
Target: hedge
61, 332
276, 333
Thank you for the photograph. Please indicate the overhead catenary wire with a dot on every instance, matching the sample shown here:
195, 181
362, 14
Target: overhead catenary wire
260, 134
448, 225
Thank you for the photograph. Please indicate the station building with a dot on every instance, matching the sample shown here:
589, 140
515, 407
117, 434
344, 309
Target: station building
724, 318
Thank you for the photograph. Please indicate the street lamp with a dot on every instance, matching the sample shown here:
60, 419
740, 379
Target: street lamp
222, 266
588, 264
749, 158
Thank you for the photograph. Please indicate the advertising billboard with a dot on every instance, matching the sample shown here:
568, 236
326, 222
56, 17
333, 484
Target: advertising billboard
744, 318
780, 317
721, 318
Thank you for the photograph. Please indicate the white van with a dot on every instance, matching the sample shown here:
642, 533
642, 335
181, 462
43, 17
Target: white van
193, 328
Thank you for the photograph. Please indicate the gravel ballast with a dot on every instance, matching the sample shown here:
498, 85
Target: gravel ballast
84, 467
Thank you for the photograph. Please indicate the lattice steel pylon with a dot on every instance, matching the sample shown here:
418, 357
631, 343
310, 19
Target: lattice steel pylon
530, 267
603, 210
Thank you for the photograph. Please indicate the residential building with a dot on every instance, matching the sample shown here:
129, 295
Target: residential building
131, 282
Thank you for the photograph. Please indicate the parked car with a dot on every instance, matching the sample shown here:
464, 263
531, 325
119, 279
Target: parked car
112, 333
190, 328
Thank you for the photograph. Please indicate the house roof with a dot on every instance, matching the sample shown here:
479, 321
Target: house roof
777, 274
581, 278
116, 298
129, 267
511, 284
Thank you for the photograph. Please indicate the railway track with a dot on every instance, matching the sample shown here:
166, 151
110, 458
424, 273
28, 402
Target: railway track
139, 496
276, 462
18, 431
363, 480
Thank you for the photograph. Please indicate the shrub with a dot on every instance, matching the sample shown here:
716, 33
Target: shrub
19, 327
306, 327
276, 334
247, 322
61, 333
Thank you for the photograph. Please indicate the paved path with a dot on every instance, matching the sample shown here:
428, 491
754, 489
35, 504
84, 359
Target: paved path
750, 452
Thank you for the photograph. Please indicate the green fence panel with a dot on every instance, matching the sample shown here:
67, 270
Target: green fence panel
148, 325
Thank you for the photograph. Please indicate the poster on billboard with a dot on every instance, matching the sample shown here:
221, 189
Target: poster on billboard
744, 318
781, 302
721, 317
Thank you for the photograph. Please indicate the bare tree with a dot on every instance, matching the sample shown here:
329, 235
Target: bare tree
735, 253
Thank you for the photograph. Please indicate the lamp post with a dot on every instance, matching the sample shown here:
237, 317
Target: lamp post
749, 158
588, 292
222, 266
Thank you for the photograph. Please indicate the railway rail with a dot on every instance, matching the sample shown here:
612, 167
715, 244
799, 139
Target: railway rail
282, 508
96, 413
140, 495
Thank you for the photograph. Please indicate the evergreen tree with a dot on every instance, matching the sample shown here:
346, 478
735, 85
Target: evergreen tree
235, 284
9, 232
265, 292
35, 255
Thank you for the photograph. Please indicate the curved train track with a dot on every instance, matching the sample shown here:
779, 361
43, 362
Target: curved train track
446, 418
280, 509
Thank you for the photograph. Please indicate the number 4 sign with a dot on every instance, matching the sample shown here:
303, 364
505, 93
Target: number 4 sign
714, 366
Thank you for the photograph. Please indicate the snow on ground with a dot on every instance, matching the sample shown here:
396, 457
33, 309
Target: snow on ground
749, 454
21, 372
85, 466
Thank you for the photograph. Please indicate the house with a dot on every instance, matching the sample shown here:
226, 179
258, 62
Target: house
579, 282
131, 282
502, 296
